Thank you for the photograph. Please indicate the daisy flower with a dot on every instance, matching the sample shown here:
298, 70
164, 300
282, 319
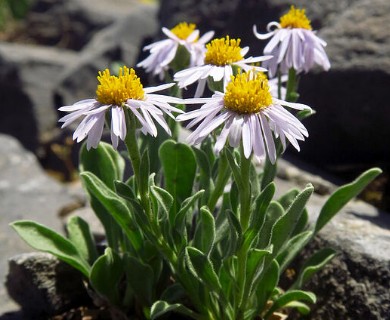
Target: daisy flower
249, 113
293, 44
114, 95
163, 52
222, 55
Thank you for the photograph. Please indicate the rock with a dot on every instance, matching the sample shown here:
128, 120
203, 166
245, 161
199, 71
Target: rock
113, 44
67, 24
44, 286
28, 101
26, 192
16, 114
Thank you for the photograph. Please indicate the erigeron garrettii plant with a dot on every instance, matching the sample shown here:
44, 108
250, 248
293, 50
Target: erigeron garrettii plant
202, 235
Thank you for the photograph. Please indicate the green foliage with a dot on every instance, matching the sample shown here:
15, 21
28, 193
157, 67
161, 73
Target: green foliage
44, 239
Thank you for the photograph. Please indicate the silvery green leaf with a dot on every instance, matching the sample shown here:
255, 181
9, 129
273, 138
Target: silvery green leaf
255, 266
288, 198
293, 247
201, 267
273, 213
115, 205
205, 231
343, 195
108, 165
261, 205
44, 239
286, 224
163, 198
106, 273
266, 285
80, 235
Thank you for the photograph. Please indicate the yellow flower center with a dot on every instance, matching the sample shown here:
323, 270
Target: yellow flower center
183, 30
118, 89
295, 18
248, 93
221, 52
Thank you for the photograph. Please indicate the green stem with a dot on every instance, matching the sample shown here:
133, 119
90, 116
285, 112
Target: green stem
245, 196
292, 86
245, 213
222, 179
132, 146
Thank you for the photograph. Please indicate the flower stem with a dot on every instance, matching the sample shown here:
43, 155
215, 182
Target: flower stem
132, 145
292, 86
245, 196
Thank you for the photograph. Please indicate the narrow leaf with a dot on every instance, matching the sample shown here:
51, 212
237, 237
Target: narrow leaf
179, 220
267, 284
284, 227
164, 199
80, 235
287, 199
293, 247
261, 204
274, 212
205, 231
343, 195
44, 239
115, 205
106, 273
201, 267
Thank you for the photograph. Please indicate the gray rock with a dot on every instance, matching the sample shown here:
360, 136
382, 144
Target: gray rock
28, 101
20, 121
43, 285
26, 192
113, 44
67, 24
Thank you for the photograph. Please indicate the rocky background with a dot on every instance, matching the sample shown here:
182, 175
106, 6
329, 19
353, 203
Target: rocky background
52, 57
